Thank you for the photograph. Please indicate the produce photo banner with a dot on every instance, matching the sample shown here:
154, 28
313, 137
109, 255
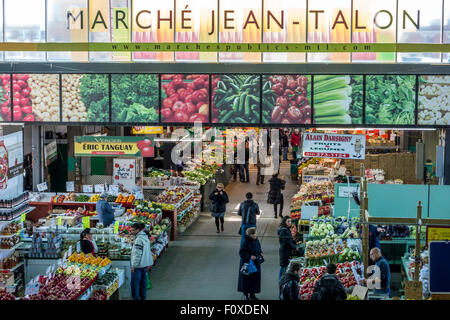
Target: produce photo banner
341, 146
99, 146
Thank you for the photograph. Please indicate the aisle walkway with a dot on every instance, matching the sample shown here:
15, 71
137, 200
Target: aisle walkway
202, 264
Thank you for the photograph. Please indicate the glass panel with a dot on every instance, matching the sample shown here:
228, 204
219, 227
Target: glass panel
61, 28
36, 97
291, 15
446, 57
237, 99
240, 22
148, 28
185, 97
390, 100
338, 99
1, 27
120, 15
434, 100
429, 25
286, 99
85, 97
195, 20
5, 92
329, 21
24, 22
374, 22
135, 97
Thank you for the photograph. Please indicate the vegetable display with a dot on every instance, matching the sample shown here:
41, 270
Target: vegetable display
434, 100
237, 98
286, 99
185, 98
338, 99
43, 98
134, 97
85, 98
390, 99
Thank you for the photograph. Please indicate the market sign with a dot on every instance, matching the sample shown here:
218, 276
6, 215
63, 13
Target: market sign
341, 146
101, 146
435, 233
148, 130
50, 151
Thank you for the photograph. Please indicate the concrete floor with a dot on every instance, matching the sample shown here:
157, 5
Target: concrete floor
203, 265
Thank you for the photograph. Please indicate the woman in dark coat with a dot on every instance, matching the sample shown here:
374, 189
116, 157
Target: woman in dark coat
287, 244
275, 196
251, 249
219, 199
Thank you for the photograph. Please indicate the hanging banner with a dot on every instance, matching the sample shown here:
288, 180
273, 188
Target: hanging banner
86, 146
11, 165
342, 146
148, 130
124, 172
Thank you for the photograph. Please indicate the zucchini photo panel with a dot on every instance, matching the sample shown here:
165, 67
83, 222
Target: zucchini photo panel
236, 99
135, 97
391, 99
338, 99
286, 99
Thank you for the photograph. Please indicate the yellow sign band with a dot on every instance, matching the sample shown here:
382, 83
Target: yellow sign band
226, 47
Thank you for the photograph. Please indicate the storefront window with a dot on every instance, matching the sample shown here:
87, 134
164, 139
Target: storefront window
240, 22
85, 97
153, 21
67, 21
284, 22
417, 23
374, 22
24, 22
196, 21
329, 21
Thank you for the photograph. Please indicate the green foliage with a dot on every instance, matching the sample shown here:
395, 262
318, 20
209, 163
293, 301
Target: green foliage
356, 107
94, 93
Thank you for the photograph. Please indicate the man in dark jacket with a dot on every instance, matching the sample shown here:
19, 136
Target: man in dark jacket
284, 142
289, 283
275, 196
248, 210
329, 287
244, 173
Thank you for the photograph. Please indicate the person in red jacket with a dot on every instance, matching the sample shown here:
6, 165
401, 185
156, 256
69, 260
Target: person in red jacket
295, 143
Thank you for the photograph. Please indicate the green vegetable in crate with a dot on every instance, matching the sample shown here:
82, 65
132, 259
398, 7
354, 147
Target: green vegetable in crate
82, 198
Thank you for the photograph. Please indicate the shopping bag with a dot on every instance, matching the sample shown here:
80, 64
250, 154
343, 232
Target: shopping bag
252, 267
149, 284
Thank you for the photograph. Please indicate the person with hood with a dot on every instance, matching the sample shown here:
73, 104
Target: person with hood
275, 196
287, 244
104, 210
250, 250
248, 210
289, 283
329, 287
141, 261
219, 199
295, 142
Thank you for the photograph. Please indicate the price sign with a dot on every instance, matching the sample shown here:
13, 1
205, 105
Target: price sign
116, 227
413, 290
23, 217
70, 186
32, 288
59, 221
86, 222
435, 233
99, 188
69, 251
88, 188
42, 187
360, 292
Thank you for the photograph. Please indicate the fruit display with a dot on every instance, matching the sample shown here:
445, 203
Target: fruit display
125, 199
111, 198
4, 296
434, 97
394, 231
338, 99
286, 99
199, 175
71, 197
109, 283
89, 260
185, 97
99, 294
94, 198
154, 173
423, 232
236, 98
82, 198
313, 191
58, 199
173, 195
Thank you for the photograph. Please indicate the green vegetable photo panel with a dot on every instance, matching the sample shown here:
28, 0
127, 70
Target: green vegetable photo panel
390, 99
236, 99
286, 99
434, 100
338, 99
185, 97
135, 98
85, 97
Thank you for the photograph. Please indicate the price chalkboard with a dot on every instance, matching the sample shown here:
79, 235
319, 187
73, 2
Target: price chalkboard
413, 290
435, 233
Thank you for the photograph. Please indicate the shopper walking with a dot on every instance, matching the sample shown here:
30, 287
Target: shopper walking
250, 284
248, 210
289, 283
329, 287
295, 142
244, 173
275, 196
219, 199
287, 244
259, 166
285, 144
87, 245
141, 261
104, 210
